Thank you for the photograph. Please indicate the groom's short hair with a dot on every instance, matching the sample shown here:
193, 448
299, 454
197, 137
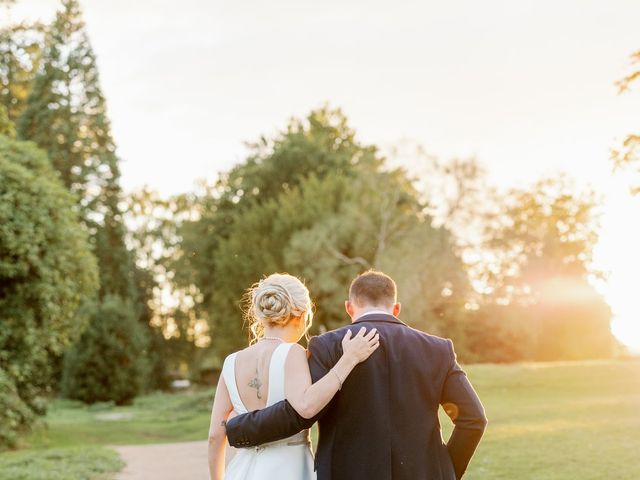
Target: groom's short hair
373, 288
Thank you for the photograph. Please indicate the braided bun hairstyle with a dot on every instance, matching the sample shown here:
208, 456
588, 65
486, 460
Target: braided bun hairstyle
275, 301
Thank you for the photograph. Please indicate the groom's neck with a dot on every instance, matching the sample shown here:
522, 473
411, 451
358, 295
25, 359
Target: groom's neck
367, 310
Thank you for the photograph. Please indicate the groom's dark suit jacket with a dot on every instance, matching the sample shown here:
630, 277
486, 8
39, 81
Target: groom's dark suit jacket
383, 424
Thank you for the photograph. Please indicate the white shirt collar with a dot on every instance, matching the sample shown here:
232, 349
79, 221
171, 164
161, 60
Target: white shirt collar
369, 312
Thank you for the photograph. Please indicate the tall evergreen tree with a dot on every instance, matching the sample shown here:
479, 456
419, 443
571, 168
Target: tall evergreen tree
65, 114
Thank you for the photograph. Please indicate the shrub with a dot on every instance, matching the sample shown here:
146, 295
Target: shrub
498, 334
15, 415
109, 361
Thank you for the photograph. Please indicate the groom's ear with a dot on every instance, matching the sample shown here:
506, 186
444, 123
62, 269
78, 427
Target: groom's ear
348, 306
396, 309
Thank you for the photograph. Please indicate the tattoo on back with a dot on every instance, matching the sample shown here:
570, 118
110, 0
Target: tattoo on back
256, 383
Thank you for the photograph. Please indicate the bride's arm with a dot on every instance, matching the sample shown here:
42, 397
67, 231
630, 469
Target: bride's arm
217, 435
307, 398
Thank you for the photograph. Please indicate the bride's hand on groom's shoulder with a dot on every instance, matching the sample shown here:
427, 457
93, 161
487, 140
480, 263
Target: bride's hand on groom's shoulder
360, 347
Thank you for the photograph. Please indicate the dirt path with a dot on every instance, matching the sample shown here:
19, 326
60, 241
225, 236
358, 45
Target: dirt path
167, 461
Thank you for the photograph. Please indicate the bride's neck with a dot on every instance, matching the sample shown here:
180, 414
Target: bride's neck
285, 334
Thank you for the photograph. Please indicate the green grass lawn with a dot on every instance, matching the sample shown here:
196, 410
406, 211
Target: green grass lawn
559, 421
156, 418
75, 463
546, 422
70, 445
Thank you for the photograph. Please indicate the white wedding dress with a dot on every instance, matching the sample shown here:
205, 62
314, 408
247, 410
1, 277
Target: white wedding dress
287, 459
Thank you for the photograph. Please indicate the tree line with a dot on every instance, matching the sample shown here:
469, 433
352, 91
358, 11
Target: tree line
72, 301
105, 295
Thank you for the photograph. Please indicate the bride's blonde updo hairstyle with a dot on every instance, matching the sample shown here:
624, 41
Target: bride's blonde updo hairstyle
275, 301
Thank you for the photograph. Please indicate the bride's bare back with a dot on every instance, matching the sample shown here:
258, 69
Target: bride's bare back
252, 373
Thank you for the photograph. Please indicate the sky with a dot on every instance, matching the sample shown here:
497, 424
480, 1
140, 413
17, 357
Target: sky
527, 87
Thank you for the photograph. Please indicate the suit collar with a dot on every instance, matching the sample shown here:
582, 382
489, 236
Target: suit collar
378, 317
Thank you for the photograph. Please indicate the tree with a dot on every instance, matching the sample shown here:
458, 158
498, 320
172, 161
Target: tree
315, 193
175, 330
20, 52
65, 114
15, 414
541, 246
500, 334
378, 222
7, 128
109, 361
321, 144
46, 271
627, 156
459, 197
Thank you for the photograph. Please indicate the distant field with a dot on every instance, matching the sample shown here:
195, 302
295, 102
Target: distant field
573, 421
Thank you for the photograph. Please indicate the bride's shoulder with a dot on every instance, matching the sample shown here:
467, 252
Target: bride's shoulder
296, 347
242, 354
297, 352
245, 350
229, 358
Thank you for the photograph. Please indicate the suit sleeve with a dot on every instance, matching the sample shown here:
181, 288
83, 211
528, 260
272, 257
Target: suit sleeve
276, 422
320, 361
279, 420
462, 404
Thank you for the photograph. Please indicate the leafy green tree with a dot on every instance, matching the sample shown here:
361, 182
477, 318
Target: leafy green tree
318, 204
321, 144
378, 222
109, 361
46, 271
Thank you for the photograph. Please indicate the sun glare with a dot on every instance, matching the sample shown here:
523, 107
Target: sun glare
618, 255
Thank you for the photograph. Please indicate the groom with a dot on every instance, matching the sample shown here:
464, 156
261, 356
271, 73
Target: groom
383, 424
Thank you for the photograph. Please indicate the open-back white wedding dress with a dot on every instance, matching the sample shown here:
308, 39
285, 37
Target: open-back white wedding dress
288, 459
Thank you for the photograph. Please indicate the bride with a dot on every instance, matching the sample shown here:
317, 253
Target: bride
273, 368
